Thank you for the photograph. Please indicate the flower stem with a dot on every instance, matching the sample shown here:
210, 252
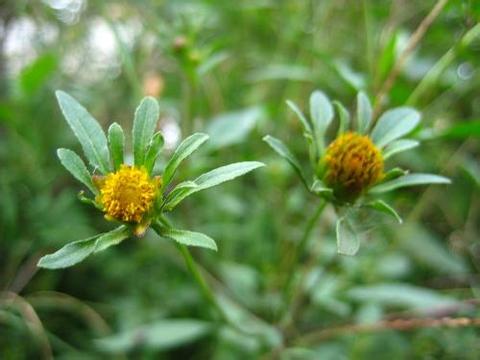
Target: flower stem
300, 249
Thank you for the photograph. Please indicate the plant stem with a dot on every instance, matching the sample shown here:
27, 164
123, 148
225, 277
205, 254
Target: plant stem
300, 249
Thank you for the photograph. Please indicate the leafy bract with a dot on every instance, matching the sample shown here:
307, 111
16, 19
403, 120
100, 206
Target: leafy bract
394, 124
75, 165
144, 124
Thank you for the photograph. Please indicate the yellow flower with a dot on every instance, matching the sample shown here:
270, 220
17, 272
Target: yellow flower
128, 194
352, 164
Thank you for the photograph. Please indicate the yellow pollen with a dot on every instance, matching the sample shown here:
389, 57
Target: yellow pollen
128, 194
352, 164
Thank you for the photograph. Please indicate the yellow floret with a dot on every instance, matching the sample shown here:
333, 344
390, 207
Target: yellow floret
128, 194
352, 164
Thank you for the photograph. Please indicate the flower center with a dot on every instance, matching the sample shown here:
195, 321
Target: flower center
128, 194
353, 164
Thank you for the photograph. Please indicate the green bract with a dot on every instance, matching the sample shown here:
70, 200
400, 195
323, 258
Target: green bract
105, 155
380, 140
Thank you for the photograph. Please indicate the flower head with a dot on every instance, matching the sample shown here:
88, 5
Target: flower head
128, 194
352, 165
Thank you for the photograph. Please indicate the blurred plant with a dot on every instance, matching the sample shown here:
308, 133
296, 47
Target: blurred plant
349, 172
132, 195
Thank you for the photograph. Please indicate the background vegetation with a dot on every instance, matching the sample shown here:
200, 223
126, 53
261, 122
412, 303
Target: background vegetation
226, 68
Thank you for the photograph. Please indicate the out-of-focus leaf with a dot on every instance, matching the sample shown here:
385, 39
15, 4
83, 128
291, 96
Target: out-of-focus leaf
116, 140
281, 149
87, 130
348, 242
428, 250
409, 180
161, 335
185, 149
232, 128
463, 130
394, 124
144, 124
397, 294
36, 74
75, 165
383, 207
212, 62
281, 72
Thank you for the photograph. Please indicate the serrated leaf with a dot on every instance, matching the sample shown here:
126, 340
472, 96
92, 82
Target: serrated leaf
189, 238
154, 149
281, 149
185, 149
343, 116
111, 238
87, 130
210, 179
69, 255
348, 242
409, 180
116, 141
394, 124
75, 165
398, 146
161, 335
306, 125
364, 113
144, 124
321, 112
383, 207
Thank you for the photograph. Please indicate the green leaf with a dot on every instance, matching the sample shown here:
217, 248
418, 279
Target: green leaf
87, 130
111, 238
232, 127
394, 124
161, 335
306, 125
319, 188
393, 174
189, 238
75, 165
321, 112
400, 295
281, 149
116, 140
383, 207
187, 147
348, 242
398, 146
146, 118
409, 180
463, 130
69, 255
209, 179
364, 113
154, 149
344, 118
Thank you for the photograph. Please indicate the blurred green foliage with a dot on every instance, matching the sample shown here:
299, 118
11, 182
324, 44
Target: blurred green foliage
227, 68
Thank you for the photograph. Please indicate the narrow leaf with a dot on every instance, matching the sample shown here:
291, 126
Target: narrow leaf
75, 165
208, 180
321, 112
383, 207
364, 113
189, 238
344, 118
348, 242
87, 130
306, 125
146, 118
116, 141
187, 147
69, 255
281, 149
409, 180
154, 149
111, 238
398, 146
394, 124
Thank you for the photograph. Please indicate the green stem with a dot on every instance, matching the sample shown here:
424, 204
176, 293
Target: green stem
300, 249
